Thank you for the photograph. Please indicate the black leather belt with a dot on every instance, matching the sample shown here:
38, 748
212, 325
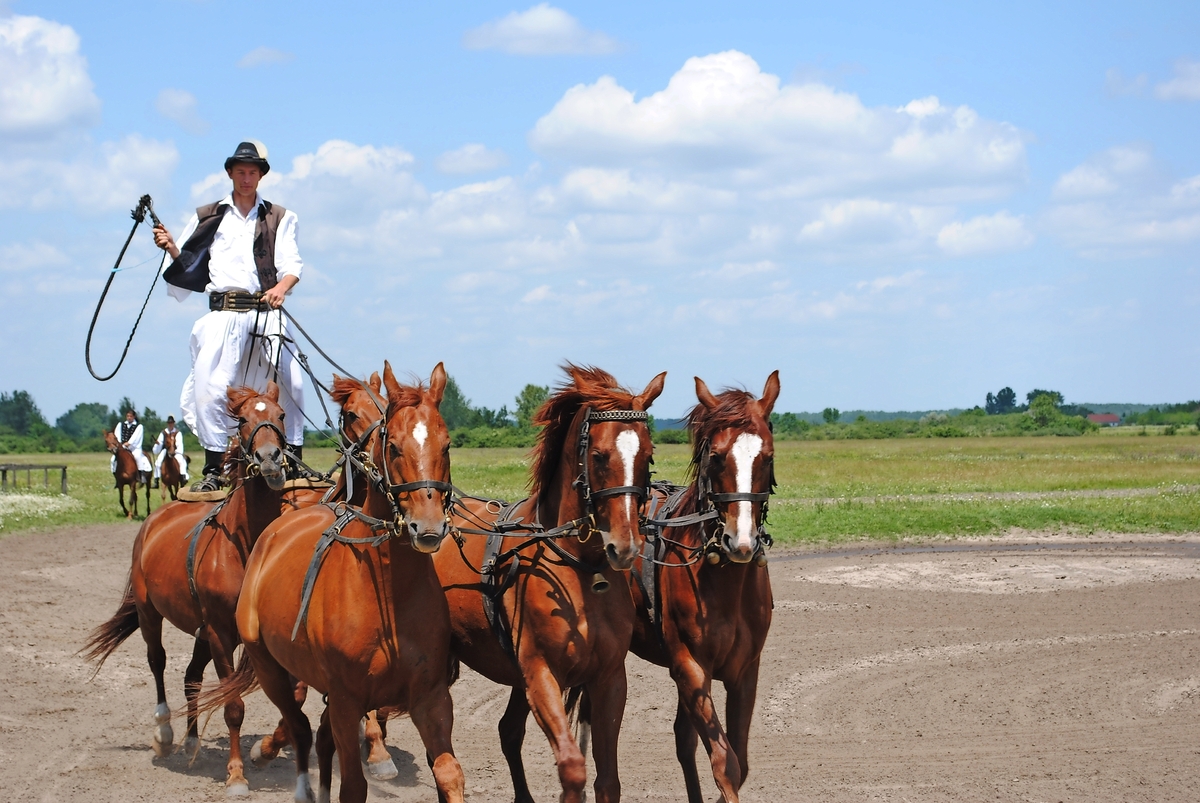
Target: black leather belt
237, 301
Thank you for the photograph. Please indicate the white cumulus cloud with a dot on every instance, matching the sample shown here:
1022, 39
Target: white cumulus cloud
179, 106
1184, 86
722, 115
1123, 202
471, 158
262, 56
540, 31
44, 81
985, 234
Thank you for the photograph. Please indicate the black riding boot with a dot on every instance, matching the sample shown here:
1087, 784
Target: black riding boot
294, 464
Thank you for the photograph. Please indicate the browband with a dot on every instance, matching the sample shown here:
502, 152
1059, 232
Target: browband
618, 415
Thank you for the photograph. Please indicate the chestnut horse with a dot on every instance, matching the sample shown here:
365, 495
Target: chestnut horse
188, 563
701, 586
169, 477
538, 621
127, 475
348, 601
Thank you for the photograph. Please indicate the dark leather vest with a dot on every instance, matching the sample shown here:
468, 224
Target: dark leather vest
127, 430
190, 270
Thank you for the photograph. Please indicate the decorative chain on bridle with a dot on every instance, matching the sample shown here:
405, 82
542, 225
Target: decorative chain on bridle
583, 482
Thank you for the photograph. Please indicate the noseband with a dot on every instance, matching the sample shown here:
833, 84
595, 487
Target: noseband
711, 500
253, 463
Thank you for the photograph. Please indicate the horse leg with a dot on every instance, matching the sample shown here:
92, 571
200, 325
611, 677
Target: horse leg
121, 499
434, 718
685, 751
512, 735
739, 709
267, 749
545, 701
280, 689
379, 761
325, 751
695, 695
192, 678
222, 645
605, 706
150, 623
344, 716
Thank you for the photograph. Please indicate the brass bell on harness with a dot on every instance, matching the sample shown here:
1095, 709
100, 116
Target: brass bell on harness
761, 558
713, 556
599, 583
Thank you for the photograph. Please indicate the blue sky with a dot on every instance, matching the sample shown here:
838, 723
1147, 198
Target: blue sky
899, 206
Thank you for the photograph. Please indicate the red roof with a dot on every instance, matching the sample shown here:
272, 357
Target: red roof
1104, 418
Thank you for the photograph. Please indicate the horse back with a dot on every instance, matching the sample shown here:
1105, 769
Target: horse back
369, 608
159, 573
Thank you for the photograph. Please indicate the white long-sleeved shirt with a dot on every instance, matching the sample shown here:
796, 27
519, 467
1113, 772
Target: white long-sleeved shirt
231, 256
161, 444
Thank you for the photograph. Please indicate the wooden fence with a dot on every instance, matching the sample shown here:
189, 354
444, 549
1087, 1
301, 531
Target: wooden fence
29, 468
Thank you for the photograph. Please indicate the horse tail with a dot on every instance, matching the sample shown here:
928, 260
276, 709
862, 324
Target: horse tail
107, 637
233, 688
578, 706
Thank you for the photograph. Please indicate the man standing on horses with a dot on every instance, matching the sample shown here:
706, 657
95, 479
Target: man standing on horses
160, 450
242, 253
130, 433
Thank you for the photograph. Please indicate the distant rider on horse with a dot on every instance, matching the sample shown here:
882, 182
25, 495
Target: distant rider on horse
130, 434
242, 253
160, 447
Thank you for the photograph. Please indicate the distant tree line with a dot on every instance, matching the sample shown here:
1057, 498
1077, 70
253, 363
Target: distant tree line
24, 429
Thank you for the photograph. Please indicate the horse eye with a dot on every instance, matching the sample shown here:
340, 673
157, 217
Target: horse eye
600, 457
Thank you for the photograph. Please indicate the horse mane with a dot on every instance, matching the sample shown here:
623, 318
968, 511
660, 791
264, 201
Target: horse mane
589, 386
734, 410
238, 397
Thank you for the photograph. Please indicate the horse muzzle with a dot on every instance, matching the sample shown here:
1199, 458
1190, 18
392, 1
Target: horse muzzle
424, 538
269, 462
620, 559
739, 550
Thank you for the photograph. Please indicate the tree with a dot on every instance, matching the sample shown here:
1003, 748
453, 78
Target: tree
831, 415
1043, 410
1053, 394
455, 407
529, 400
20, 413
84, 421
1003, 402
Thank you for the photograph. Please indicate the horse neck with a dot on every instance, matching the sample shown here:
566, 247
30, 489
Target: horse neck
560, 502
254, 507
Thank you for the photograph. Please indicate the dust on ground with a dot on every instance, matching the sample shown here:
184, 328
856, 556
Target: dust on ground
1034, 667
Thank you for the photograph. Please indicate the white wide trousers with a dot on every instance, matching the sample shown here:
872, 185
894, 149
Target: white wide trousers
231, 349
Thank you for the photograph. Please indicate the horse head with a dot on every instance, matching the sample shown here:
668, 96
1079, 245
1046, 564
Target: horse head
601, 429
169, 443
111, 443
260, 436
412, 452
733, 461
362, 406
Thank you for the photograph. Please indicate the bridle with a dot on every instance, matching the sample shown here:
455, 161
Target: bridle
709, 500
381, 478
246, 444
583, 482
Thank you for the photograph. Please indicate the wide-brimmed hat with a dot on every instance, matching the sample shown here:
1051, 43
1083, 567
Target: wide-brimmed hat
251, 152
170, 419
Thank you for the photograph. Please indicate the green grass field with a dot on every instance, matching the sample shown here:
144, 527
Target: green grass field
828, 490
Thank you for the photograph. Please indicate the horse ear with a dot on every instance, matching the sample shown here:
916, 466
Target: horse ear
644, 399
389, 381
705, 395
272, 392
375, 382
770, 394
437, 384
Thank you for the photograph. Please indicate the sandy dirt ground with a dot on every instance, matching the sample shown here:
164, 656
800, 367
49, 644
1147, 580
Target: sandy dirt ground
1025, 668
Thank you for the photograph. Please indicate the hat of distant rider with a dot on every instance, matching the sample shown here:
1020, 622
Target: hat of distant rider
251, 152
170, 419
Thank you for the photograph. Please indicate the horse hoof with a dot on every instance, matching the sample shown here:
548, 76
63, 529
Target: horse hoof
237, 789
323, 795
257, 757
304, 792
191, 746
163, 747
383, 770
164, 739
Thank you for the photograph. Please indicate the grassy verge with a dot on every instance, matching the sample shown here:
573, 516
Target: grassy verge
822, 485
